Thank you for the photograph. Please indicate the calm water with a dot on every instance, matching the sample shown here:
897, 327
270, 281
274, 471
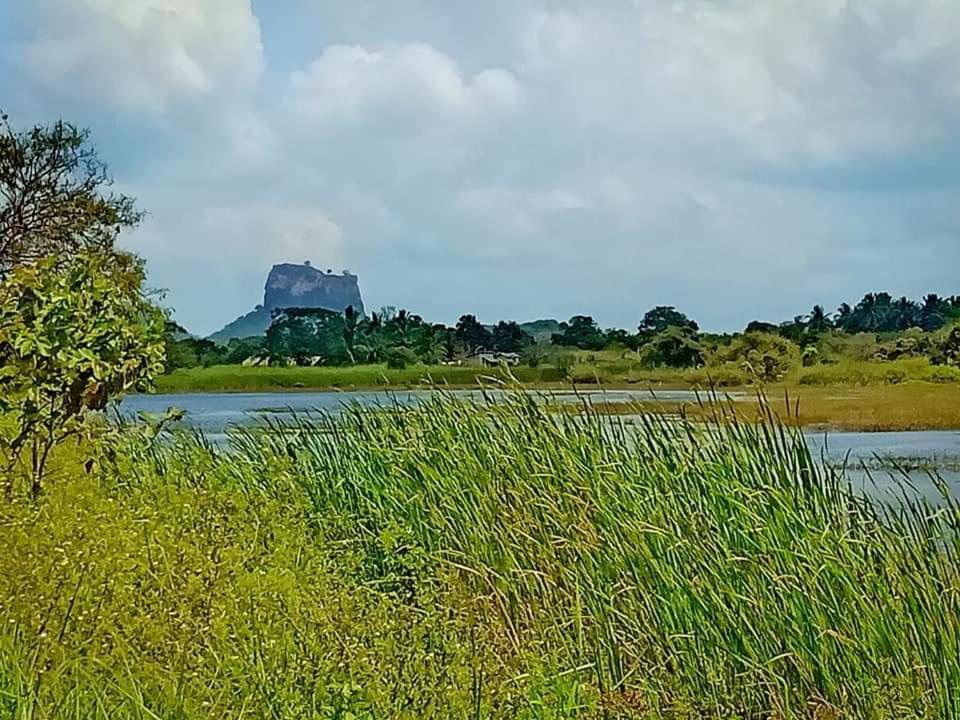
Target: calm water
922, 452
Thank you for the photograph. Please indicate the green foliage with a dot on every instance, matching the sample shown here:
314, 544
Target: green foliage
509, 337
71, 340
582, 332
762, 355
400, 358
183, 351
53, 199
947, 348
309, 336
662, 317
471, 336
675, 347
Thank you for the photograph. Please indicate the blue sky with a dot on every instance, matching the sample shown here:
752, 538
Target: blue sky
517, 158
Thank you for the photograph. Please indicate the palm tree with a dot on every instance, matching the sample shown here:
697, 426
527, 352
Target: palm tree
844, 313
818, 320
932, 316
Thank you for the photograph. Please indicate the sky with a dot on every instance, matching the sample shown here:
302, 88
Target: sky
739, 159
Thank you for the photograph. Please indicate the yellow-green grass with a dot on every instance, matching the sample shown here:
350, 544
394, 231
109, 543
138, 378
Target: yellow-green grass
872, 408
233, 378
476, 561
618, 369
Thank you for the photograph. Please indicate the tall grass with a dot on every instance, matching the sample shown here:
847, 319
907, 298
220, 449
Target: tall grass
657, 569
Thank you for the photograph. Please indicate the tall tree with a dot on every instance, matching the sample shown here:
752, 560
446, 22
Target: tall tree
471, 335
819, 322
582, 332
933, 314
509, 337
660, 318
54, 196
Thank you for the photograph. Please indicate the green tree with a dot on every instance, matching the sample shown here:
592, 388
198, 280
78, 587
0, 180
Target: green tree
759, 326
73, 337
471, 336
662, 317
819, 322
509, 337
54, 196
676, 347
582, 332
304, 334
933, 314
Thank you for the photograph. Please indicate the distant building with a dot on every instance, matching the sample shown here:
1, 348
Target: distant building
496, 359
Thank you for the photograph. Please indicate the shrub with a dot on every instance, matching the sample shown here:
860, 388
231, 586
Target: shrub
399, 358
71, 340
676, 347
764, 356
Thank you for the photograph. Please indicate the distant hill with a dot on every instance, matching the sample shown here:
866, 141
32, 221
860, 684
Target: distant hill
290, 286
253, 324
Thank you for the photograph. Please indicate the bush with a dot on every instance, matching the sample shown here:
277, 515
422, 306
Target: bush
72, 339
764, 356
676, 347
399, 358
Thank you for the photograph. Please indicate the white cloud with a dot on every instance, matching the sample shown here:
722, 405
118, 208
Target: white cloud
143, 55
819, 82
572, 155
351, 83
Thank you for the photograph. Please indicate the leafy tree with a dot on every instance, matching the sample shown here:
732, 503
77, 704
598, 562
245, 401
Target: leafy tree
947, 351
509, 337
73, 337
662, 317
765, 355
239, 350
934, 313
617, 336
307, 333
796, 330
471, 335
819, 322
399, 358
675, 347
582, 332
184, 351
758, 326
843, 315
53, 196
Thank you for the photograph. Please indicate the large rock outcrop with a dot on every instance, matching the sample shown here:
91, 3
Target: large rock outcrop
289, 286
306, 287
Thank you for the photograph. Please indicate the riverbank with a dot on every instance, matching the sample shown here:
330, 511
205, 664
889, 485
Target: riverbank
912, 406
863, 406
236, 379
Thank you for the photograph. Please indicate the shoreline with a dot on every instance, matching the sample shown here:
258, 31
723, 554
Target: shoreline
906, 407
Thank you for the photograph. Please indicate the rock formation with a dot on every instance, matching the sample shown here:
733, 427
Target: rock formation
306, 287
290, 286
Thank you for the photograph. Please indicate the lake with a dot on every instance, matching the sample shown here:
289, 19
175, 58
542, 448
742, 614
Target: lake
866, 454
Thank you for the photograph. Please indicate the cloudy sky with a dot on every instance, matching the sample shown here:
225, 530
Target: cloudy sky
517, 158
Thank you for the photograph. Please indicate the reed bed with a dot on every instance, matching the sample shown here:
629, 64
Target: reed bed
661, 568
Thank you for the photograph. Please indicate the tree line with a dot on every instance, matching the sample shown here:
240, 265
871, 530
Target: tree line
665, 336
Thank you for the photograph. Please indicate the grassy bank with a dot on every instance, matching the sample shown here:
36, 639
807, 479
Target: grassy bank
625, 369
607, 368
471, 561
233, 378
879, 408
